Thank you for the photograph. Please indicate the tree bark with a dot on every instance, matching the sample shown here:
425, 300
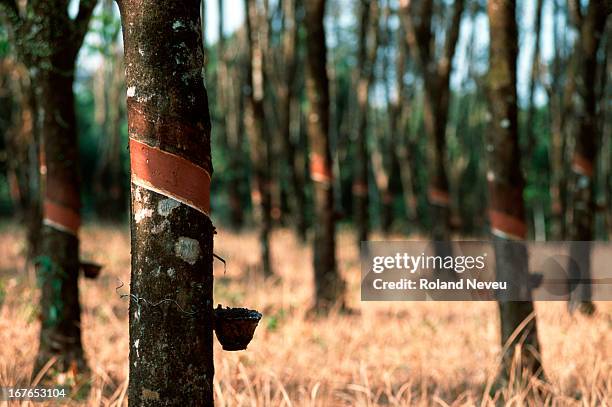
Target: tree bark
506, 184
171, 313
329, 286
582, 224
258, 136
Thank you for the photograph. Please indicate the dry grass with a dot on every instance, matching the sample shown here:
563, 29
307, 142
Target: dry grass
423, 354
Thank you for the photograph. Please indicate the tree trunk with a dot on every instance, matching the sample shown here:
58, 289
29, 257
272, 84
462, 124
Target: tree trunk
558, 119
506, 205
262, 25
58, 265
366, 55
569, 126
235, 132
118, 181
297, 163
258, 136
230, 111
385, 169
606, 142
382, 177
171, 313
435, 115
556, 170
286, 100
399, 114
23, 157
329, 287
47, 41
583, 162
535, 71
419, 37
8, 96
110, 193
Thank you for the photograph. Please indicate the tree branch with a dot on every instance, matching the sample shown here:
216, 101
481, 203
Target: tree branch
452, 35
409, 30
418, 36
81, 21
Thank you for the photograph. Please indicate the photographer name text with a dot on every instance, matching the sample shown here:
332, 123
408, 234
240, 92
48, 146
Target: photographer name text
404, 262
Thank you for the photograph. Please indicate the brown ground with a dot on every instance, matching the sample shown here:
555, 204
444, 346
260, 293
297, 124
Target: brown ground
422, 354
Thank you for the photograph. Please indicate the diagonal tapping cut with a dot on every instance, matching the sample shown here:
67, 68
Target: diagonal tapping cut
170, 175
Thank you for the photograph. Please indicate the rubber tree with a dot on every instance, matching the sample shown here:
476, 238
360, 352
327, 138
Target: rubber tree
591, 27
258, 136
559, 114
399, 116
506, 185
47, 41
385, 136
23, 145
436, 72
171, 314
21, 137
7, 112
284, 76
110, 195
531, 143
228, 109
397, 144
366, 58
329, 286
235, 64
533, 79
265, 23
